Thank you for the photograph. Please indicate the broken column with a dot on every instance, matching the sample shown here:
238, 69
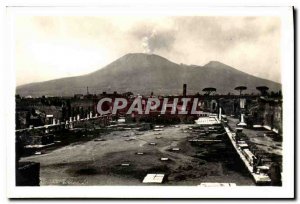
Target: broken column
67, 124
71, 125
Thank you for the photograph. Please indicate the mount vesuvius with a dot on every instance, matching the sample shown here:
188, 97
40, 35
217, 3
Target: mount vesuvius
146, 73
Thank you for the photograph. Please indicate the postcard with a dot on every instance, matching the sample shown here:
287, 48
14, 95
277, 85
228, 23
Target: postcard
150, 102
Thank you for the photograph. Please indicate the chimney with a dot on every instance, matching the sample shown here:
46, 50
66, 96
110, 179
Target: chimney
184, 90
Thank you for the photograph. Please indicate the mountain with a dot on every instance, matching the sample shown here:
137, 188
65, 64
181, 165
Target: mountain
144, 73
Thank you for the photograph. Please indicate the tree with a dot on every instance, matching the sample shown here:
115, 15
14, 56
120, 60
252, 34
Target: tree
240, 88
209, 90
263, 90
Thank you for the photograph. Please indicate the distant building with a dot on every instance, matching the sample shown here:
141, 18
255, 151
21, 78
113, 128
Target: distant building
78, 96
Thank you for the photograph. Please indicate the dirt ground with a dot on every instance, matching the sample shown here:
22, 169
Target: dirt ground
100, 162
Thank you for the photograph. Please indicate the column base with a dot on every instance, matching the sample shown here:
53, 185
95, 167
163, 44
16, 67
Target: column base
242, 124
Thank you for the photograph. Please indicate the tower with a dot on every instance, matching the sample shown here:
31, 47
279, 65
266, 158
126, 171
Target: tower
184, 90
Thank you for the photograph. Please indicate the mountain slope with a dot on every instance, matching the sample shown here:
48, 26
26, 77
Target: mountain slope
144, 73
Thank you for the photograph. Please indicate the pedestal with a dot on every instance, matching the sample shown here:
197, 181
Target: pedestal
242, 122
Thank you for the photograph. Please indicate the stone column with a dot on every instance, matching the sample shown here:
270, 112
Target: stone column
71, 125
67, 124
242, 107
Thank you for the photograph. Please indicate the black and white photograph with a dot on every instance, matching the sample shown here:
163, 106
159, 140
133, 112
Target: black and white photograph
196, 100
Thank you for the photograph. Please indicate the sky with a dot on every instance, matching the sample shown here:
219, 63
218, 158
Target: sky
51, 47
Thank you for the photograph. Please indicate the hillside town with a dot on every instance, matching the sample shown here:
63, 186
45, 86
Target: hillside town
233, 139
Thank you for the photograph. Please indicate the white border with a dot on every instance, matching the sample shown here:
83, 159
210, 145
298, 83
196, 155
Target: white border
107, 8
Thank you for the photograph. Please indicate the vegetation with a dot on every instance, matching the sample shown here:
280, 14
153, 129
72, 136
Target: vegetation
240, 88
209, 90
263, 90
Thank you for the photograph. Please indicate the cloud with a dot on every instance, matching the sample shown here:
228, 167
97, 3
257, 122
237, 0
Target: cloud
225, 32
250, 44
49, 47
153, 37
157, 40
